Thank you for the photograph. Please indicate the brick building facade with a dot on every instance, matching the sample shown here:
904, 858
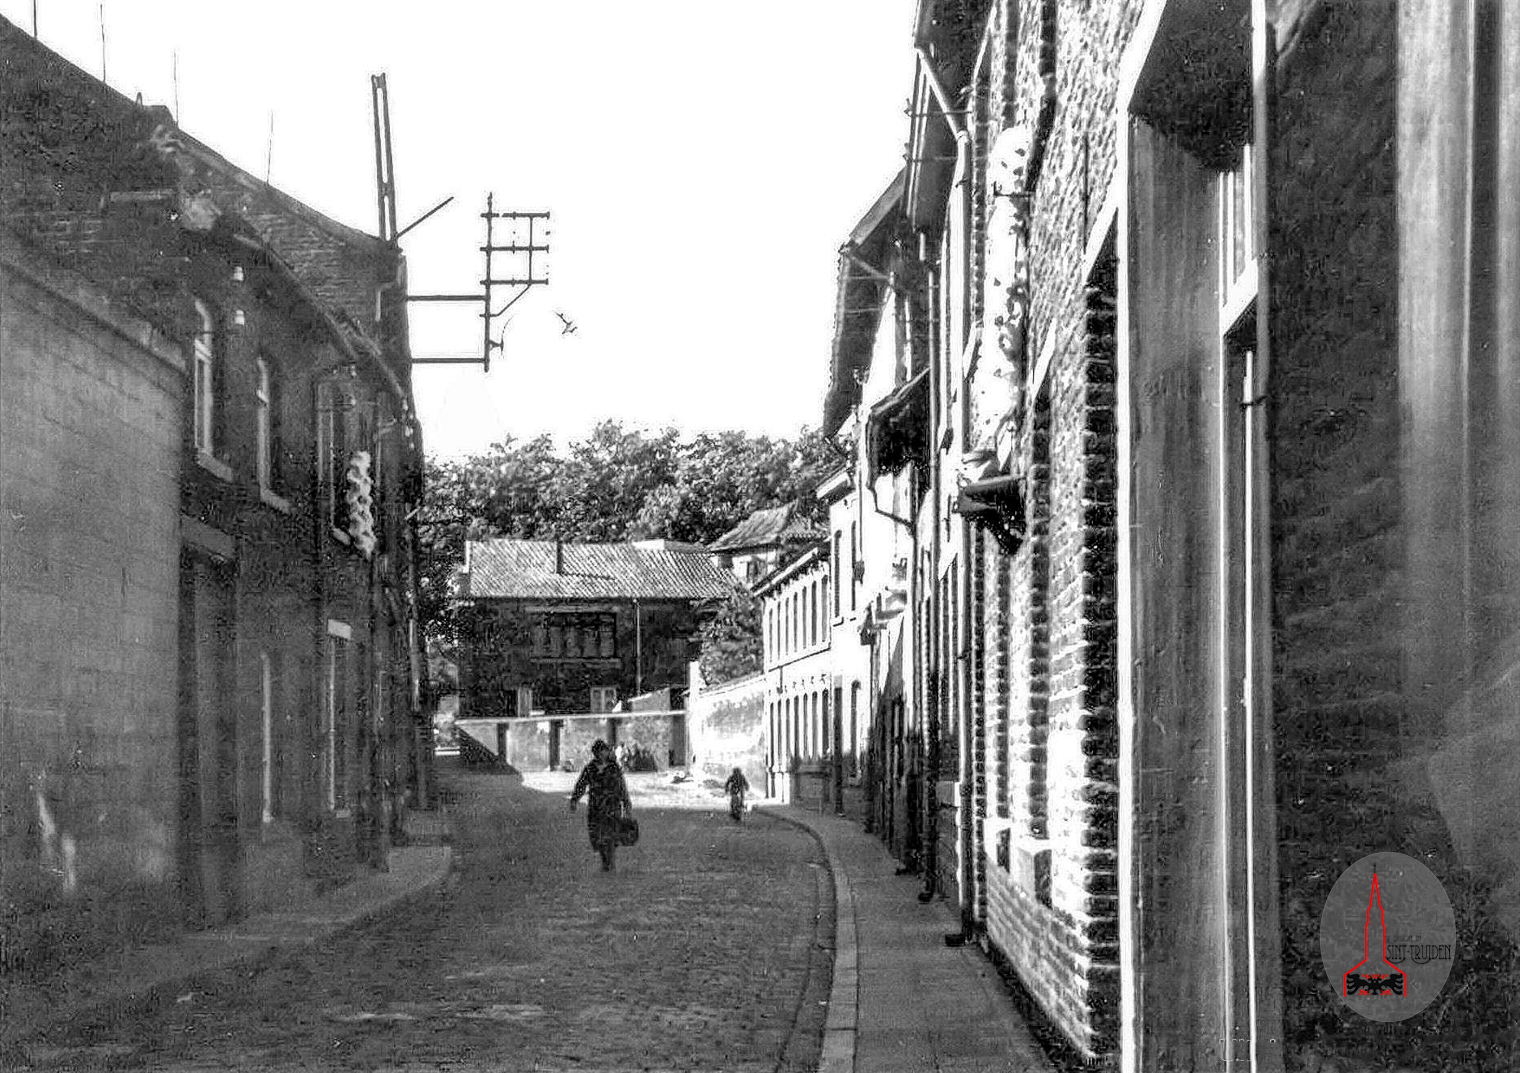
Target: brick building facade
271, 461
1200, 430
556, 629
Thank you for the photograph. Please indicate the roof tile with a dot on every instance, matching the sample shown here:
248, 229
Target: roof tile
525, 569
767, 528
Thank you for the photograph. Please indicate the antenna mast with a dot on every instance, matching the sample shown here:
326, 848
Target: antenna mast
385, 174
523, 248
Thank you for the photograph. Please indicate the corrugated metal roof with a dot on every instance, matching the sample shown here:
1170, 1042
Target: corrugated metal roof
768, 528
526, 570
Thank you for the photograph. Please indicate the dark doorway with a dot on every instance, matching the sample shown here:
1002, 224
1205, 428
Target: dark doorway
207, 742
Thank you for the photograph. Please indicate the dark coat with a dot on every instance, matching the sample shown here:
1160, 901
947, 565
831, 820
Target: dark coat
608, 799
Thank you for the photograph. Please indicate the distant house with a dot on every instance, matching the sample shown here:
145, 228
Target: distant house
763, 541
561, 633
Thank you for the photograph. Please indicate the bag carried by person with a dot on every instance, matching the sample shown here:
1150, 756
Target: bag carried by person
627, 831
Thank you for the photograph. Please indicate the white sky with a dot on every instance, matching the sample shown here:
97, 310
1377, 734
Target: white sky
702, 166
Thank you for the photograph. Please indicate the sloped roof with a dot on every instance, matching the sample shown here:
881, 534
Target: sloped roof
859, 300
768, 528
525, 570
73, 143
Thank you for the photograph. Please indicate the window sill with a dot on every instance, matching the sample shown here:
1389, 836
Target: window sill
213, 465
275, 500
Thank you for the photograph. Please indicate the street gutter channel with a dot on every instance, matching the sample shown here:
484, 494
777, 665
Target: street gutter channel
840, 1024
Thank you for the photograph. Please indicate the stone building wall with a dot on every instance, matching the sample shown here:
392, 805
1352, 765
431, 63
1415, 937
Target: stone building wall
90, 425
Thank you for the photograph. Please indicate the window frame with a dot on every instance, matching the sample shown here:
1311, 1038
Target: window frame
335, 719
268, 776
331, 457
204, 376
265, 441
549, 638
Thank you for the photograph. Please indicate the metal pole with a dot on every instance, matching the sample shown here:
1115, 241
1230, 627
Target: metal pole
376, 86
390, 166
485, 315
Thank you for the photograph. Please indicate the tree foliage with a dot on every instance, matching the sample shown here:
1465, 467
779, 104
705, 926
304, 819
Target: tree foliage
614, 484
731, 641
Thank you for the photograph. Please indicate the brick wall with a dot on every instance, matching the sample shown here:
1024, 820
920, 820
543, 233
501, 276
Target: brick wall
1348, 734
1048, 672
498, 657
89, 453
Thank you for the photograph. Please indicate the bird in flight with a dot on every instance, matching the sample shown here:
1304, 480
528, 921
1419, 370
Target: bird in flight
570, 327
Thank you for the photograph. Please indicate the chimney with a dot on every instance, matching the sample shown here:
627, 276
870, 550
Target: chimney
559, 556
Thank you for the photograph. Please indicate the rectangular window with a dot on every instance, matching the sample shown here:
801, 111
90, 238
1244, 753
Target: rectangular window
336, 718
1237, 242
603, 698
854, 573
575, 635
266, 709
837, 568
264, 425
206, 376
857, 747
332, 456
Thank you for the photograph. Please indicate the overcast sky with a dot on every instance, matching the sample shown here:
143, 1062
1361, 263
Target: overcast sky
703, 160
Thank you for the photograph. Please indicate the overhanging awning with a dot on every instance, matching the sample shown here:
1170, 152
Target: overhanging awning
897, 431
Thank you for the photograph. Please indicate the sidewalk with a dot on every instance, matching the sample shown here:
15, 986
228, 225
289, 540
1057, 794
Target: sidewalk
129, 979
902, 1001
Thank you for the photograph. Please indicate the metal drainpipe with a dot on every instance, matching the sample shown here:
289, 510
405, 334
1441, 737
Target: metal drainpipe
320, 524
877, 716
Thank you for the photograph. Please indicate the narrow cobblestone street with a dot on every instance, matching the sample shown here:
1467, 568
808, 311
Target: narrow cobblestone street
707, 949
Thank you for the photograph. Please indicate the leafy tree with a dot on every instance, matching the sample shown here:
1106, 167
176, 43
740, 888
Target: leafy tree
602, 486
614, 484
731, 640
721, 478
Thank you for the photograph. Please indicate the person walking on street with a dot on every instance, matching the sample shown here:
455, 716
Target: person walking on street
737, 786
608, 801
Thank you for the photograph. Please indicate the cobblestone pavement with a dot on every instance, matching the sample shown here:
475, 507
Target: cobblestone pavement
707, 949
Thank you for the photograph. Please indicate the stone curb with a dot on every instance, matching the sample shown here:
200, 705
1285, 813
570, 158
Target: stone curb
840, 1027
